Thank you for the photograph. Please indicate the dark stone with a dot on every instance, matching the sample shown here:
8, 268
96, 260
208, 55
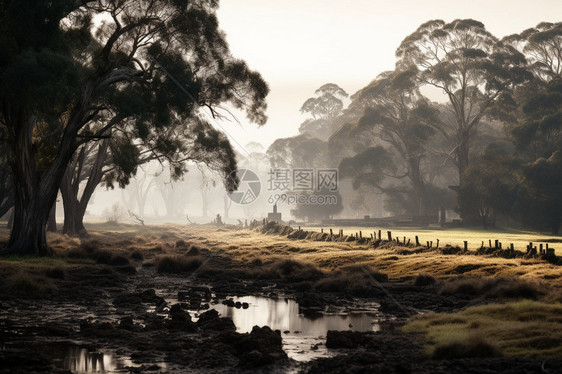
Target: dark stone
210, 320
345, 339
262, 346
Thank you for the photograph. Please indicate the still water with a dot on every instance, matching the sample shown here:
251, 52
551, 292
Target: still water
303, 337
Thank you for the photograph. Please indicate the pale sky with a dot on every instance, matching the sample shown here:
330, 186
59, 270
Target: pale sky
298, 45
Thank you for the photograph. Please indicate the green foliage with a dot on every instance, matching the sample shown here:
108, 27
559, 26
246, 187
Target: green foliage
540, 201
140, 73
395, 112
301, 151
367, 168
470, 66
327, 104
491, 186
318, 205
401, 200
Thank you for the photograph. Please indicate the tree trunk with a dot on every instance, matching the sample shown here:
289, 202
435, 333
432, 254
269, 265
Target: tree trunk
52, 221
35, 192
227, 205
73, 213
462, 154
28, 236
77, 172
418, 184
205, 202
10, 219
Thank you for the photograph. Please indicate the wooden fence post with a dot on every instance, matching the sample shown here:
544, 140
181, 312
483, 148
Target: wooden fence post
389, 233
465, 245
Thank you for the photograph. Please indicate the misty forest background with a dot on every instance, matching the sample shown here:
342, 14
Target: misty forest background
103, 96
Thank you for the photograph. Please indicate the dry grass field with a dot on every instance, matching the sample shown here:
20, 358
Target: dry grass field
500, 320
456, 236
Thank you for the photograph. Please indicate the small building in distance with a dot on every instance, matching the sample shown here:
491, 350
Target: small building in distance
274, 216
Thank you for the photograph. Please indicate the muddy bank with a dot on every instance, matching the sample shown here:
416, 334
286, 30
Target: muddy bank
143, 301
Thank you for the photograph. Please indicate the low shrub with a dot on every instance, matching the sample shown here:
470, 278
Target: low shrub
55, 273
118, 260
26, 284
473, 347
137, 255
424, 280
493, 288
353, 280
177, 264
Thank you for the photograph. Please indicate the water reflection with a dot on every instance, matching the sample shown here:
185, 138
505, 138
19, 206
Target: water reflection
81, 360
283, 314
303, 336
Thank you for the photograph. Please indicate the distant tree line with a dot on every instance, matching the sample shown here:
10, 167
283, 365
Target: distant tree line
492, 148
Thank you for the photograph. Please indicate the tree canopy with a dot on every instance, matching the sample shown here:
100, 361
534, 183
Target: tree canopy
72, 71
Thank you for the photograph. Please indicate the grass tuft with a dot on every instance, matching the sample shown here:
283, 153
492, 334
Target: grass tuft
354, 280
177, 264
424, 280
23, 283
518, 329
474, 346
493, 288
137, 255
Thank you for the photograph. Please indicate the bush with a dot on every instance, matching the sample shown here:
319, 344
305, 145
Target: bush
177, 264
289, 270
493, 288
114, 214
353, 280
89, 246
473, 347
193, 251
137, 255
424, 280
118, 261
55, 273
30, 285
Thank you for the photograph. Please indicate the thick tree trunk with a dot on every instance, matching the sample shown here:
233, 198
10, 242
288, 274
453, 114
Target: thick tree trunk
73, 212
32, 207
52, 221
35, 192
77, 172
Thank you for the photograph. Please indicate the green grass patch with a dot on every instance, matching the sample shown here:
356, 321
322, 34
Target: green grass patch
519, 329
